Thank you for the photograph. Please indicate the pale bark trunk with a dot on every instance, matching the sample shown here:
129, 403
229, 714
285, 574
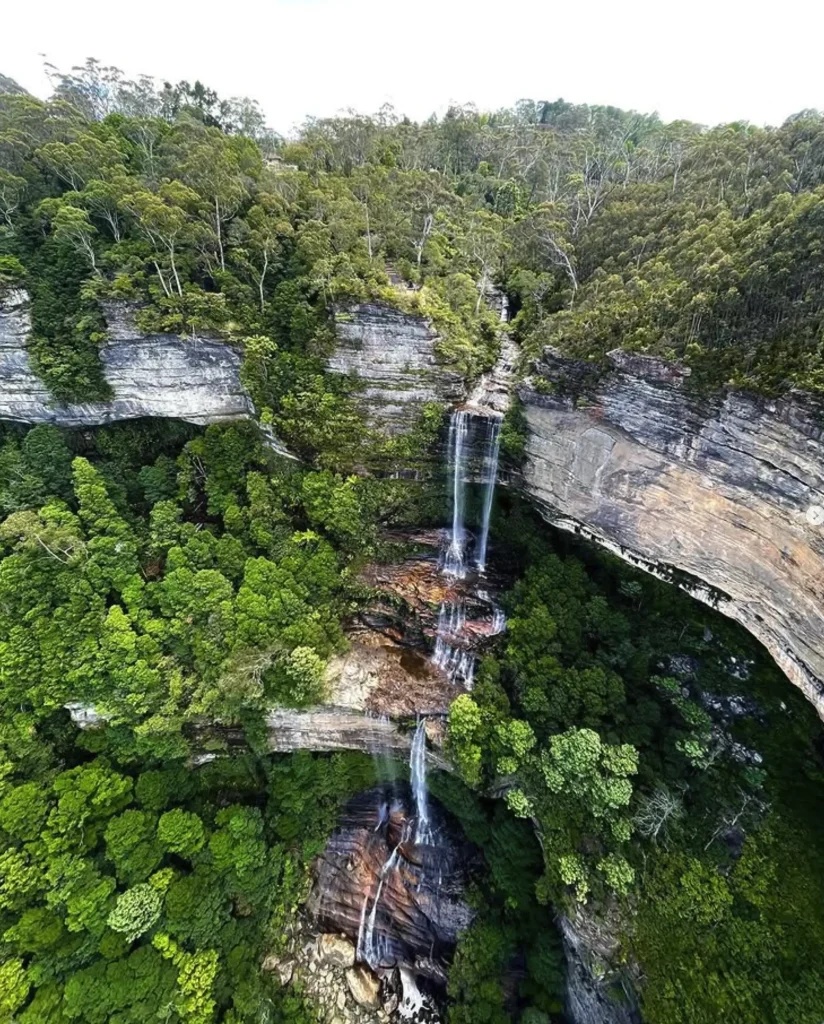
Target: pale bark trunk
219, 234
262, 277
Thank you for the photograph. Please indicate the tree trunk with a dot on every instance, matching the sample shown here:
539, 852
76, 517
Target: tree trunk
219, 235
262, 277
368, 232
174, 270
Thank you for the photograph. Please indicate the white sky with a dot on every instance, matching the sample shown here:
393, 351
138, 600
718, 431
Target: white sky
704, 60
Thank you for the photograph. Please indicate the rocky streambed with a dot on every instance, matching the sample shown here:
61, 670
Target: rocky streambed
323, 967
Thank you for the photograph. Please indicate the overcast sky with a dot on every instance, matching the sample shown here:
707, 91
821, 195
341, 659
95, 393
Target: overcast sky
705, 60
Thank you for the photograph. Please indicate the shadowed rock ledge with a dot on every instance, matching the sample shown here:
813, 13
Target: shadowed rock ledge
729, 490
194, 378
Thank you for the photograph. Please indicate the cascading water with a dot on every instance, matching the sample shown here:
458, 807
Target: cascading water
417, 773
498, 621
450, 652
371, 945
454, 563
382, 758
491, 454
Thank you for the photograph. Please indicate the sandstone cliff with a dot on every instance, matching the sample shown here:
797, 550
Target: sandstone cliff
195, 379
393, 355
729, 490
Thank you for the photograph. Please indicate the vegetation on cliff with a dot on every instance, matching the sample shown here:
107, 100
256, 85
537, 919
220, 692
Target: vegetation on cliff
605, 228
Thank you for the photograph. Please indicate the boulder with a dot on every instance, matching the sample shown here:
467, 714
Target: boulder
336, 950
284, 969
363, 985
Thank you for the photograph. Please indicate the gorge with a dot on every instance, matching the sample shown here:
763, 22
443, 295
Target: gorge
727, 491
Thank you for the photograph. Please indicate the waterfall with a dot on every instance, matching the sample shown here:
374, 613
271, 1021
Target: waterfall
382, 757
498, 621
454, 561
371, 946
451, 654
458, 664
491, 453
417, 773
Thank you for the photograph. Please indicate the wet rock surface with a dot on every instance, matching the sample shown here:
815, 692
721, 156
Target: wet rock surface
725, 489
381, 677
410, 914
411, 593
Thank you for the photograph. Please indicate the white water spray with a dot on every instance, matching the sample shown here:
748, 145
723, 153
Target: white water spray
371, 945
491, 454
454, 563
417, 772
450, 653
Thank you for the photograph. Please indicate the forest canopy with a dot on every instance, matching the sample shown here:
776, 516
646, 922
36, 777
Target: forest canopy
605, 228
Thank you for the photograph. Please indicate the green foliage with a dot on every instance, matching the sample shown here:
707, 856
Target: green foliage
131, 846
180, 832
646, 803
169, 576
136, 911
14, 987
473, 979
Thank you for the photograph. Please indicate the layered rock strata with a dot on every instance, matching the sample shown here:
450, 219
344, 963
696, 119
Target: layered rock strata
412, 889
493, 391
328, 728
723, 495
393, 356
595, 992
193, 378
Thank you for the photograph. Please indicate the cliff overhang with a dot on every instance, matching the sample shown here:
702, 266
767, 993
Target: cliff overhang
193, 378
722, 495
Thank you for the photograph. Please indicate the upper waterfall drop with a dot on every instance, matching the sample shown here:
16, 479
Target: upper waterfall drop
453, 643
454, 561
491, 455
463, 424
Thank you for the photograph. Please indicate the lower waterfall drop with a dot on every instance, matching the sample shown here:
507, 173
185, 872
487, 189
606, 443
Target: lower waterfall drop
371, 946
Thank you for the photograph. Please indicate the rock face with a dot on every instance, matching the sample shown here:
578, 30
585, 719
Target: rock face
328, 728
195, 379
393, 354
397, 895
493, 392
383, 678
729, 490
595, 994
